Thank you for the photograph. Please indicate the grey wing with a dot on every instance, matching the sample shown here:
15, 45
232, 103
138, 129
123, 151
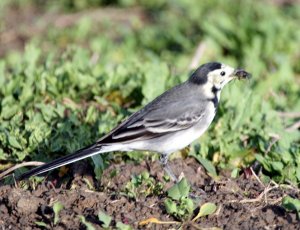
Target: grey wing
166, 125
154, 123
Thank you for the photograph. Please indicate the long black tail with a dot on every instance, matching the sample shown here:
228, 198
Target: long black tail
76, 156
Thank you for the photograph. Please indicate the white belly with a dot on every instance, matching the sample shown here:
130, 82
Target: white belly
175, 141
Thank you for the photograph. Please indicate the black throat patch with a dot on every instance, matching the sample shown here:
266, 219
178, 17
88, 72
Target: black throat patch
215, 99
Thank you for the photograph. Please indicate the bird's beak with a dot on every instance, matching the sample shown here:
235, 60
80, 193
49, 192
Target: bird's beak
241, 74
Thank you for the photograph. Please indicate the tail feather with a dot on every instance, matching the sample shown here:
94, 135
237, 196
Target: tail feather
76, 156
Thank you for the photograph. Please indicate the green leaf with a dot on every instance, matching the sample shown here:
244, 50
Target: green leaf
9, 111
189, 205
286, 157
291, 204
106, 219
87, 224
48, 111
121, 226
2, 156
41, 224
174, 192
31, 55
2, 72
179, 190
155, 80
277, 166
205, 210
170, 206
99, 165
14, 142
235, 173
26, 95
243, 105
184, 187
207, 165
297, 171
57, 207
145, 175
91, 115
263, 161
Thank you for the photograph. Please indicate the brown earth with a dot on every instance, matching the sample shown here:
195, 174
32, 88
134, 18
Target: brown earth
242, 203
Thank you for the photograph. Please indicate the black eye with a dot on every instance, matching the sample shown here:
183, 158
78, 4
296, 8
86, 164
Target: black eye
223, 73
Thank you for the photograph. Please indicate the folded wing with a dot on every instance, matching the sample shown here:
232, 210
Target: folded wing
154, 125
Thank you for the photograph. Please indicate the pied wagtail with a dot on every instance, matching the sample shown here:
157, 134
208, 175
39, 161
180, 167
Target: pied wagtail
169, 123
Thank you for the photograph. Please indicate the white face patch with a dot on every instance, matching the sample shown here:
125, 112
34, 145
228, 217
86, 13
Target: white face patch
217, 79
220, 77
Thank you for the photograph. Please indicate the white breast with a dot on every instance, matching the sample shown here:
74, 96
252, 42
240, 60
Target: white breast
175, 141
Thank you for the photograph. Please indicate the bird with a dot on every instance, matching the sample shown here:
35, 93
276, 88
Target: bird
167, 124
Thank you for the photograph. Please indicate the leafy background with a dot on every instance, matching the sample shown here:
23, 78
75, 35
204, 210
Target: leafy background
67, 85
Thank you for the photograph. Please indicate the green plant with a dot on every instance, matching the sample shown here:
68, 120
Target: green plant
121, 226
87, 224
291, 204
205, 210
178, 204
57, 207
142, 185
105, 219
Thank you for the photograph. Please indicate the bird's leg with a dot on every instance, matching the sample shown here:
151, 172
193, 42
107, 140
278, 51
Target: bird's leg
164, 162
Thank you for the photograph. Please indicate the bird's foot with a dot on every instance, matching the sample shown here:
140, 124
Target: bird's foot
164, 162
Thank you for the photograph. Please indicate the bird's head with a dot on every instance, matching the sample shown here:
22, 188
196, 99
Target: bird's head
217, 75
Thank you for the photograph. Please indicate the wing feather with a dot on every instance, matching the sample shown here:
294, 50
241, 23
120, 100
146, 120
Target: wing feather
163, 115
146, 128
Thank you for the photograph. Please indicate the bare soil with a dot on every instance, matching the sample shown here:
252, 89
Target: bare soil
242, 203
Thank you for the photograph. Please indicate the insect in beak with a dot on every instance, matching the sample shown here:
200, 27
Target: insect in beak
241, 74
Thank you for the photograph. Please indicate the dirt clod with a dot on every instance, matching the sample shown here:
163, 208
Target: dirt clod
26, 205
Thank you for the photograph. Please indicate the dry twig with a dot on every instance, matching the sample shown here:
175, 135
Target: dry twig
289, 114
293, 127
30, 163
275, 138
258, 199
197, 56
256, 177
